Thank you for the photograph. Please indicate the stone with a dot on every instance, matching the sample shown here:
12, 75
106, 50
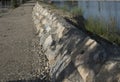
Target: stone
37, 21
47, 28
44, 21
60, 30
48, 42
88, 56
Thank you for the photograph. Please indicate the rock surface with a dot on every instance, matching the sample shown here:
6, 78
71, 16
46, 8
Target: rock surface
73, 55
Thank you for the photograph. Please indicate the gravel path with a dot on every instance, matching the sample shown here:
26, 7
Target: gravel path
17, 61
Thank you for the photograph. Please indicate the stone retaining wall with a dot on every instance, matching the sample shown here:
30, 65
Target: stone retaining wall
73, 56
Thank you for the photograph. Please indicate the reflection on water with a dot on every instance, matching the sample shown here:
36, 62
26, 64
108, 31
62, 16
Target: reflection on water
105, 10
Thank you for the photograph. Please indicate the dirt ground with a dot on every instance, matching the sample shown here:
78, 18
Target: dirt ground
17, 60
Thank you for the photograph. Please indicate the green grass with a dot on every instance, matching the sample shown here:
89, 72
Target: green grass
76, 11
96, 26
107, 31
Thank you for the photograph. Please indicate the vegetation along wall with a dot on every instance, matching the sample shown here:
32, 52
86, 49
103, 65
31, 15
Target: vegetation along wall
73, 55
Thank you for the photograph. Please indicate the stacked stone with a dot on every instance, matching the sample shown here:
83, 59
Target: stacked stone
73, 56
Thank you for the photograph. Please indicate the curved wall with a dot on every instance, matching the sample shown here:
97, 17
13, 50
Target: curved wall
73, 56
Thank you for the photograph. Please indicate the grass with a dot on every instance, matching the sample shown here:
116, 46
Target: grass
105, 30
76, 11
95, 26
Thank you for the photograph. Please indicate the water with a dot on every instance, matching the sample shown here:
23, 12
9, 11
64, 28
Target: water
105, 10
